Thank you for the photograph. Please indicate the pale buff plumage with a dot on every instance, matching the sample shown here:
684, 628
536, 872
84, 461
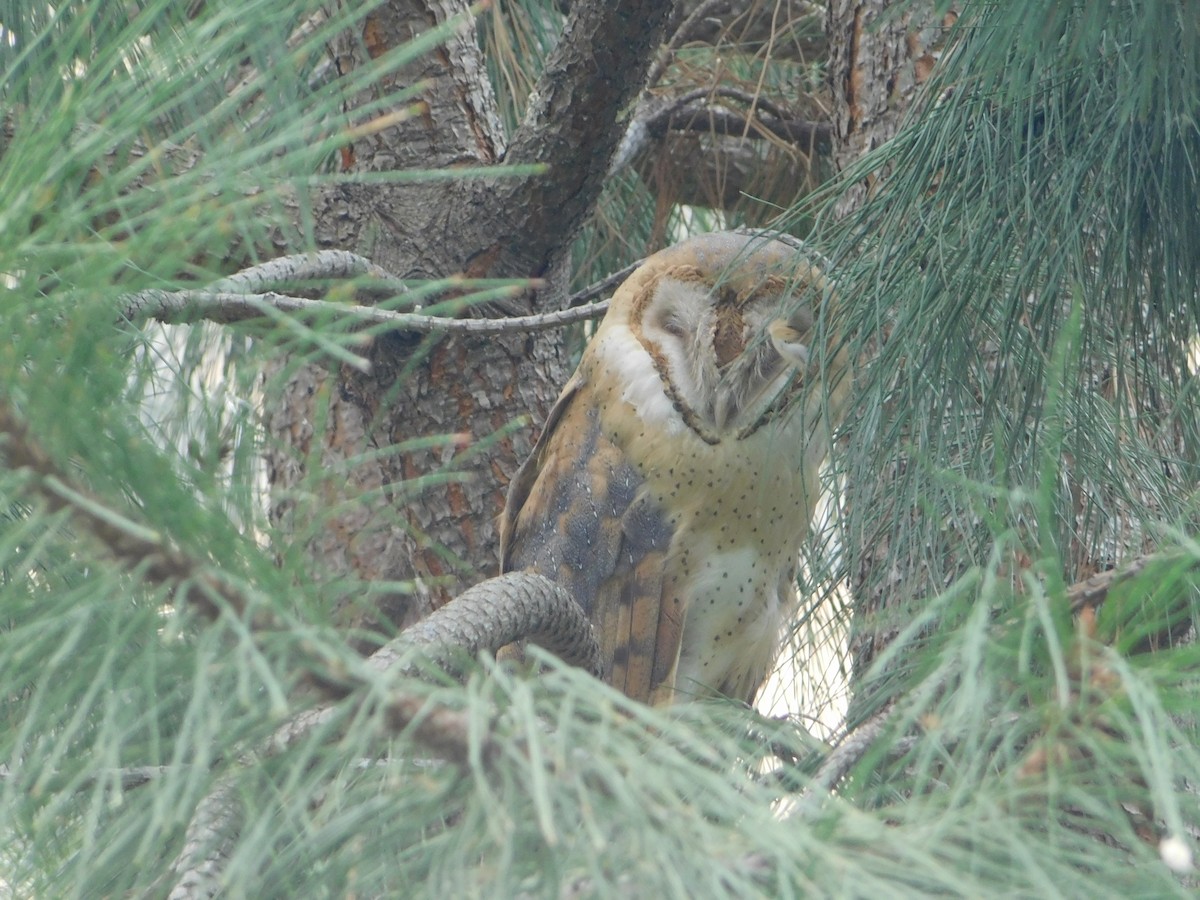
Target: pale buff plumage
677, 473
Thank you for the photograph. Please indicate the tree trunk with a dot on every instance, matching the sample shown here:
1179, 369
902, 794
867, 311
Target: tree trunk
373, 509
879, 57
880, 53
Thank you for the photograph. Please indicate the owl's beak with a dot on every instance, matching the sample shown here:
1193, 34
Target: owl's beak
742, 390
786, 339
732, 398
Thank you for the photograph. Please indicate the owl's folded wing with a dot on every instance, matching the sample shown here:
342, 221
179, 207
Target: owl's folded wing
578, 513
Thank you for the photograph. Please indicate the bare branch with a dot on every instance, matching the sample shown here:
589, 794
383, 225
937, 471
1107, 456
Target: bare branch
240, 297
706, 119
694, 111
301, 267
209, 841
755, 100
176, 307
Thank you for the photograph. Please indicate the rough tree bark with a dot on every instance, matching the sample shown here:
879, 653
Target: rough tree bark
443, 535
881, 52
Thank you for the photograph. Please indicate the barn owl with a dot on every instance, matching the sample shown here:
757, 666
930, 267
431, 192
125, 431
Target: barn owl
675, 477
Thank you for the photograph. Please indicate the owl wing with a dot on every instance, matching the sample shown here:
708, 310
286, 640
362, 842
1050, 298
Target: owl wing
579, 513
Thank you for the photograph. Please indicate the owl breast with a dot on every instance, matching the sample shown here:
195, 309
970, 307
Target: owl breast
738, 511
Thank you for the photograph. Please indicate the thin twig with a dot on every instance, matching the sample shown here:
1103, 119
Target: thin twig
682, 35
603, 286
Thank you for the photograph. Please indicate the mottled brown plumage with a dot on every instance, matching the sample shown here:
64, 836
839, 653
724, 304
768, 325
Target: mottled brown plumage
676, 475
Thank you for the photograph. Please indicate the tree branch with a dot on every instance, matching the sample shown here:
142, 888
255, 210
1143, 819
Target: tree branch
209, 841
694, 111
177, 307
302, 267
573, 125
497, 612
706, 119
844, 756
240, 297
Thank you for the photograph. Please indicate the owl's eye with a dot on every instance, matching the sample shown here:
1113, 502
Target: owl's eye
672, 326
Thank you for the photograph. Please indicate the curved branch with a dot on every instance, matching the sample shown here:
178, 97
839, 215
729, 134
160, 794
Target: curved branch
706, 119
311, 267
209, 841
492, 614
657, 116
496, 612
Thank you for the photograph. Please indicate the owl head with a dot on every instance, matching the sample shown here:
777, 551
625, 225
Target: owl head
729, 321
